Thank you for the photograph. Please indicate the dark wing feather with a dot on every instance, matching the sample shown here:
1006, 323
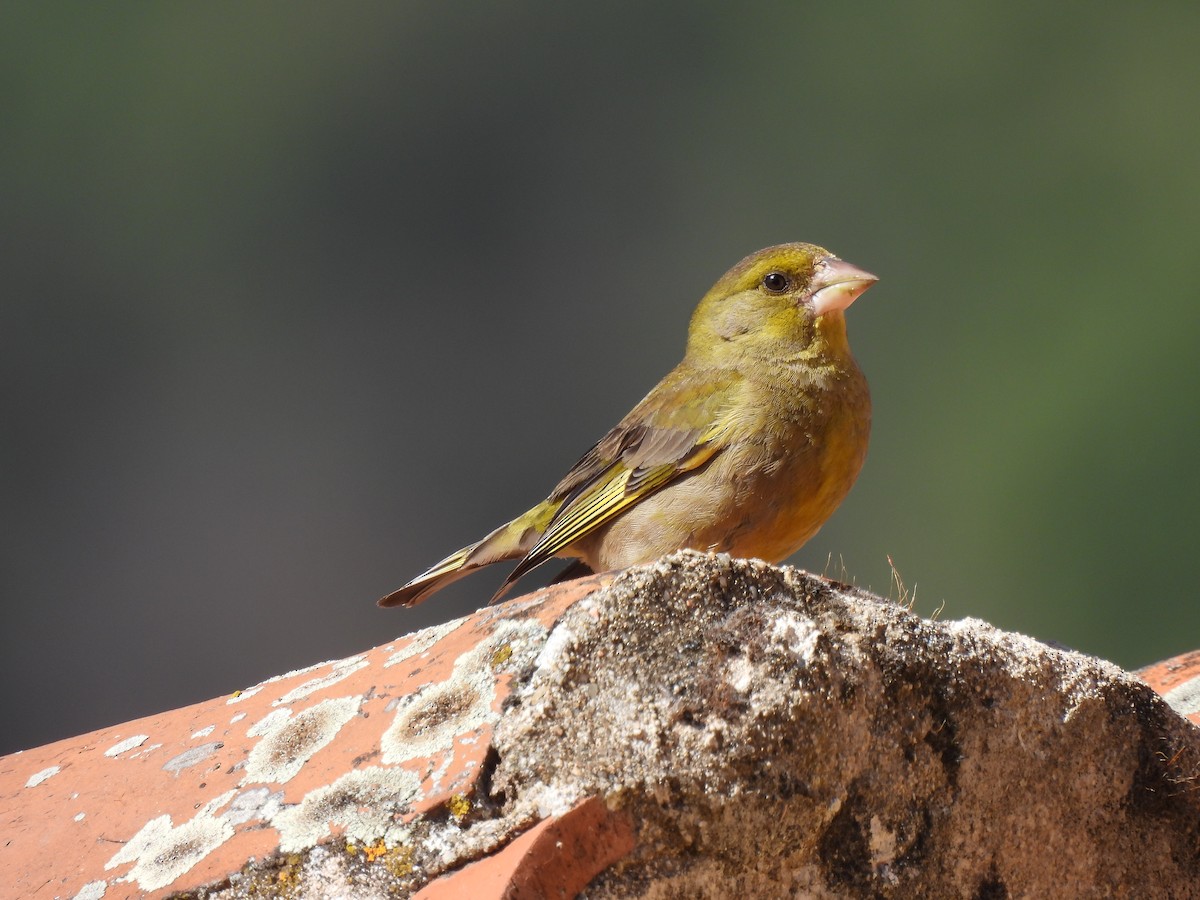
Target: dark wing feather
655, 444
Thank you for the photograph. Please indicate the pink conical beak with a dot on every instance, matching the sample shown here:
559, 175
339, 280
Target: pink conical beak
836, 284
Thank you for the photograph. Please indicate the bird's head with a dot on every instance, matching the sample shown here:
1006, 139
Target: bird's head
778, 303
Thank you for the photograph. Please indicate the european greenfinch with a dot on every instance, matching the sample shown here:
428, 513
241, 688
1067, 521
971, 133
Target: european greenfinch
746, 447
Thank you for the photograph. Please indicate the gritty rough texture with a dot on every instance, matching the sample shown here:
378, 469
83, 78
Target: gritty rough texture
700, 727
774, 735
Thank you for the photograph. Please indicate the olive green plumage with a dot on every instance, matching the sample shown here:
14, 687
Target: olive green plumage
746, 447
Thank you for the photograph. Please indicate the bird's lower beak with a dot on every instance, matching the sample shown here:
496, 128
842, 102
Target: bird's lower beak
836, 284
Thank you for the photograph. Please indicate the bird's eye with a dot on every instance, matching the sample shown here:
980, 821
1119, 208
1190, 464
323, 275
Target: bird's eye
776, 282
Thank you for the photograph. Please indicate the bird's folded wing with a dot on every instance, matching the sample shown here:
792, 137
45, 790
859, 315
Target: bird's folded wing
632, 461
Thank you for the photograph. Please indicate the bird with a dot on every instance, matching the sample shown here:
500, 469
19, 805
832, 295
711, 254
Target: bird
746, 447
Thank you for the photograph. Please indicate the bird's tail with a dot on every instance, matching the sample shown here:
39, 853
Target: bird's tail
511, 541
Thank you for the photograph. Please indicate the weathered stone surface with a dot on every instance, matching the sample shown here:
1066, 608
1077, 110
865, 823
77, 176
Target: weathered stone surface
774, 735
700, 727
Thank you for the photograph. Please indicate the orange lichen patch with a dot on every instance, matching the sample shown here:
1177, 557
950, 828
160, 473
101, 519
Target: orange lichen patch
370, 852
1178, 680
374, 851
555, 858
355, 749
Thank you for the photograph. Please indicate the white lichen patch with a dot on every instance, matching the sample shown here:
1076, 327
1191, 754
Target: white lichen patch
38, 777
444, 842
740, 674
244, 694
270, 722
428, 722
256, 803
93, 890
797, 633
194, 756
203, 732
561, 639
343, 668
517, 641
367, 804
237, 718
553, 799
288, 745
1184, 698
162, 852
251, 691
128, 744
421, 641
79, 817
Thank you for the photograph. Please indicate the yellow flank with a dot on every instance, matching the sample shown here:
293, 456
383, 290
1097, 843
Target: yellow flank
746, 447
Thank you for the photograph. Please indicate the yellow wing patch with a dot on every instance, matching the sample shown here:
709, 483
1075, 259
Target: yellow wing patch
618, 489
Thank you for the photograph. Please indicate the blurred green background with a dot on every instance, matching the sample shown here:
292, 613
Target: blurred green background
296, 298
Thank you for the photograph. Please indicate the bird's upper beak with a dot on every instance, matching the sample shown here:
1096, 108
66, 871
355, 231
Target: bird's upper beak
836, 284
